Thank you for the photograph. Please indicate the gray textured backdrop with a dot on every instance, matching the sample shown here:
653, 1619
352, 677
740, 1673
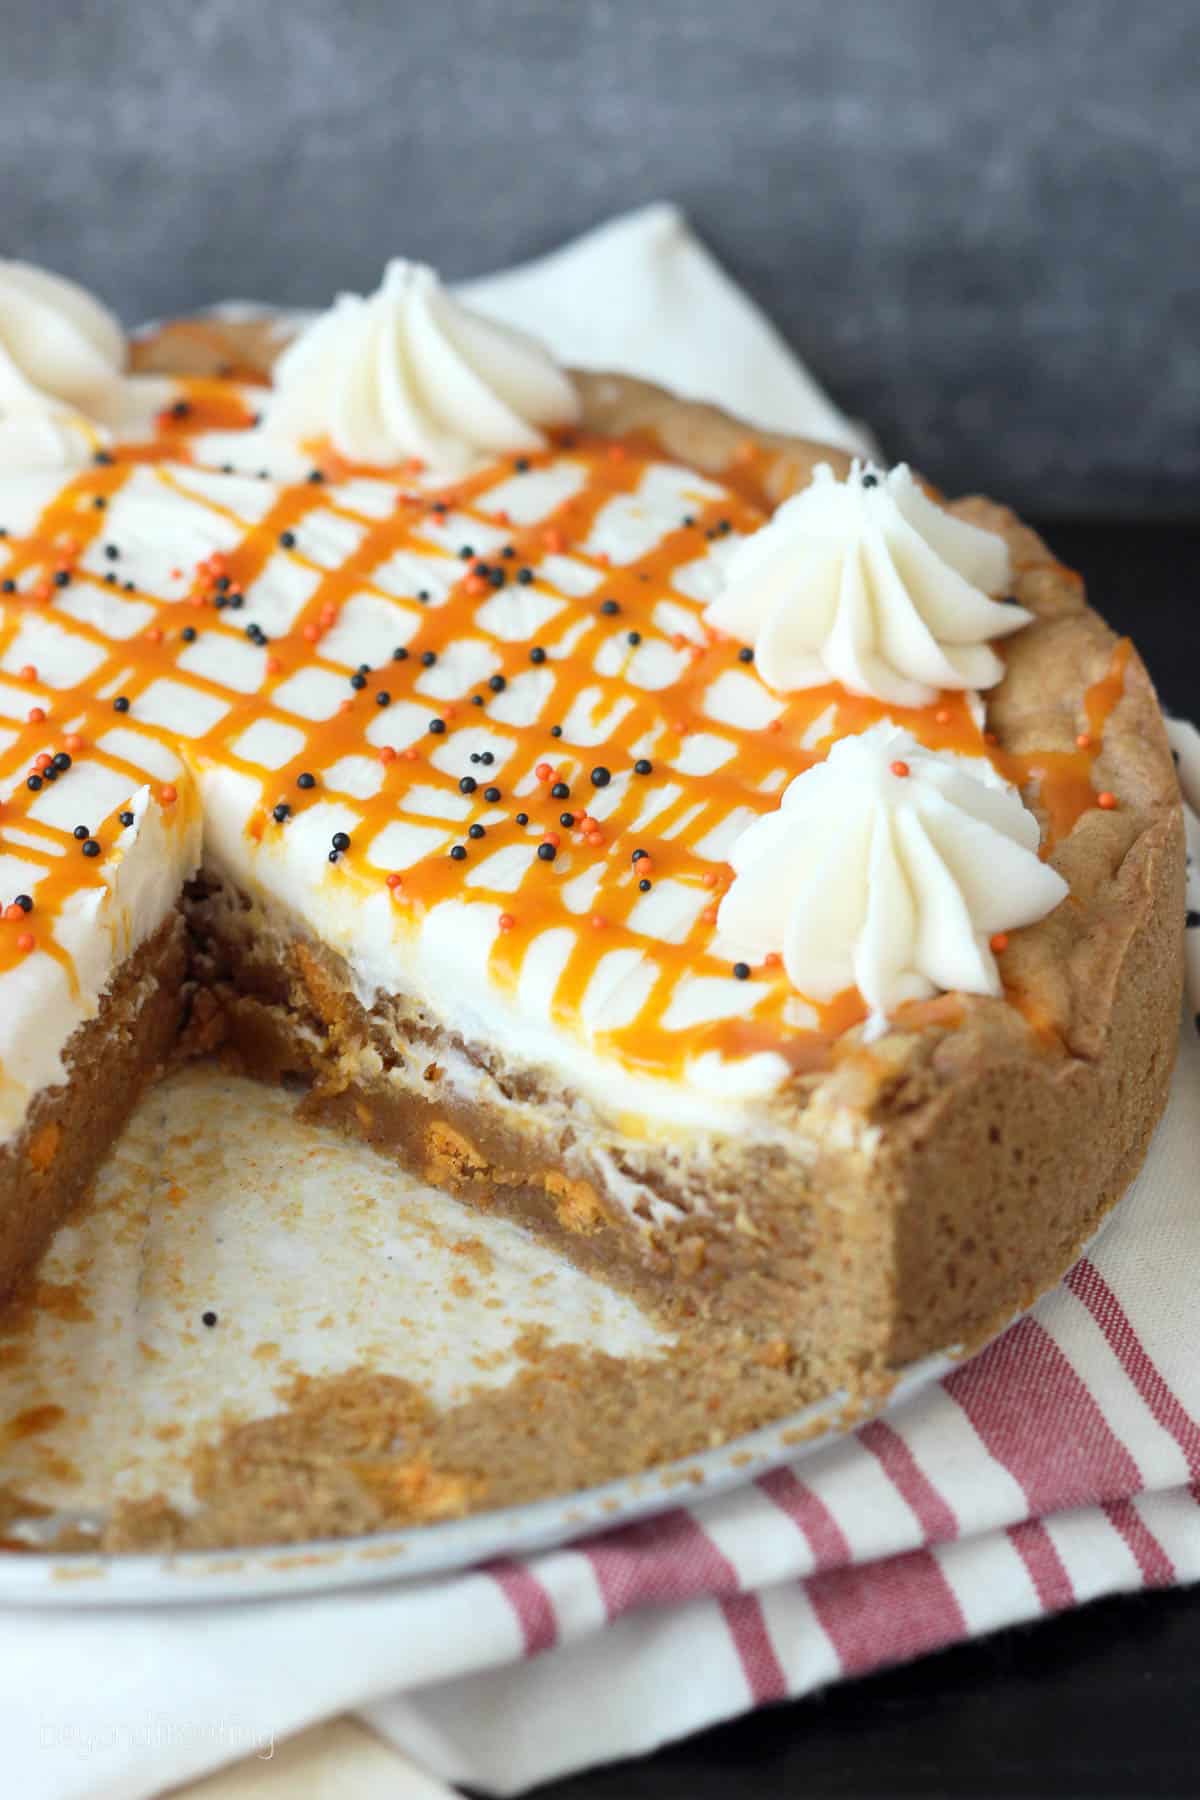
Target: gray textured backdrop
979, 222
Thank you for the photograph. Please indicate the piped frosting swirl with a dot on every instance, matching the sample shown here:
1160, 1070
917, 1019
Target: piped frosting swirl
409, 372
888, 868
868, 582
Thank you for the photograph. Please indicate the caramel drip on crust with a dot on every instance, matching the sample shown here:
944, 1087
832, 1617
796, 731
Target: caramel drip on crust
635, 701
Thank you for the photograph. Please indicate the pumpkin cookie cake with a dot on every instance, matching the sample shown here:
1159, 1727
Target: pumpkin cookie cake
748, 871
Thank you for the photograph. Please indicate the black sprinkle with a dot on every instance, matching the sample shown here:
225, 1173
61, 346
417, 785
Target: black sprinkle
8, 586
537, 654
333, 856
522, 818
305, 780
428, 658
466, 553
288, 539
111, 551
459, 853
24, 902
62, 578
497, 683
521, 465
126, 819
560, 791
467, 784
609, 607
870, 481
525, 576
91, 848
476, 699
437, 726
476, 831
209, 1319
644, 885
634, 637
81, 832
34, 782
1192, 919
643, 766
486, 757
358, 682
315, 476
61, 761
491, 795
399, 654
383, 698
601, 776
745, 654
508, 552
638, 855
99, 503
340, 840
742, 971
556, 731
188, 634
567, 819
547, 852
281, 812
121, 703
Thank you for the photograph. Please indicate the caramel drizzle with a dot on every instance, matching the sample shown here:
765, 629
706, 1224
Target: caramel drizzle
655, 724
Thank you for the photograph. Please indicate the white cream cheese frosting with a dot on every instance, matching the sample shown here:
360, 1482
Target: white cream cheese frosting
869, 583
44, 999
63, 386
888, 868
408, 371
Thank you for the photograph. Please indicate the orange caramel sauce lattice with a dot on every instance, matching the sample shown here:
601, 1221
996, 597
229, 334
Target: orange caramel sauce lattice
648, 725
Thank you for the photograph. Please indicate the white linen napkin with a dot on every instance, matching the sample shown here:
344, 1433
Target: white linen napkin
1061, 1464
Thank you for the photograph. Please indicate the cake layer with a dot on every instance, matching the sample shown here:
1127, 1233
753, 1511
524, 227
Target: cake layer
46, 1166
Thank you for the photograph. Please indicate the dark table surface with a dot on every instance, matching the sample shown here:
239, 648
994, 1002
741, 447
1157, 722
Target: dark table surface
1100, 1702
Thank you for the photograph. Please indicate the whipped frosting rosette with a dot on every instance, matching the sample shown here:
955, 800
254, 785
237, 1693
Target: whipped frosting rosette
63, 386
868, 582
888, 868
409, 372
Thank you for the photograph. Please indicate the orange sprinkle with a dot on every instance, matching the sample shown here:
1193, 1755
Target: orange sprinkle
598, 921
544, 772
72, 741
387, 754
1106, 800
476, 584
775, 725
42, 590
506, 921
36, 715
410, 755
942, 716
617, 453
345, 706
42, 761
1084, 741
709, 915
551, 837
168, 794
70, 546
772, 959
709, 878
503, 517
13, 911
273, 665
26, 941
594, 838
310, 632
395, 881
154, 635
328, 614
900, 768
27, 672
999, 941
553, 540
